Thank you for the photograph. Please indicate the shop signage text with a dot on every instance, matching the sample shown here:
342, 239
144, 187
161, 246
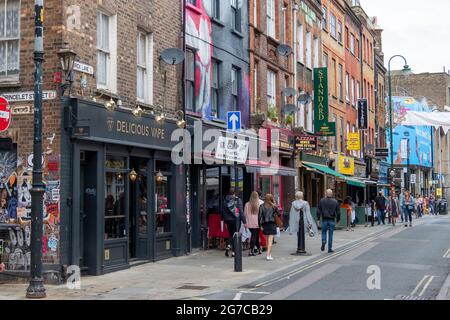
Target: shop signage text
137, 129
230, 149
363, 114
306, 143
28, 96
322, 126
354, 142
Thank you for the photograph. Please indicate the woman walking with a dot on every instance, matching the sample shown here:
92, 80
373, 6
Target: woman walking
251, 213
408, 208
267, 214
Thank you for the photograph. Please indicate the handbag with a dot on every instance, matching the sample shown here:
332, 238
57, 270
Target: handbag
278, 220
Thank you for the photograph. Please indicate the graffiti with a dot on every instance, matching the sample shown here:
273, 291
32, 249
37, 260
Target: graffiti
15, 253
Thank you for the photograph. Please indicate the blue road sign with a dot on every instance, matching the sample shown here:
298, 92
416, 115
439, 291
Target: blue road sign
234, 121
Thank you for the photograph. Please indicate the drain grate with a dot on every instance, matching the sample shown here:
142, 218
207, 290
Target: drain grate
415, 298
192, 287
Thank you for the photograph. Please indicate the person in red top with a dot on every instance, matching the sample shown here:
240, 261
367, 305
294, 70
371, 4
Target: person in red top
348, 210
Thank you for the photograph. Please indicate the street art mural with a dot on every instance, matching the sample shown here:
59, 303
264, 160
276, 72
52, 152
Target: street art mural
199, 36
419, 138
15, 211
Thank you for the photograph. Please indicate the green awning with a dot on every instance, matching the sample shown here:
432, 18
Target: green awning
325, 170
355, 183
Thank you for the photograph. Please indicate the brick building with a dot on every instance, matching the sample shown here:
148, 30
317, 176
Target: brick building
100, 189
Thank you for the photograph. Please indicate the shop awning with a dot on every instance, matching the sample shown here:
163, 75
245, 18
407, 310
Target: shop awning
356, 183
265, 168
324, 169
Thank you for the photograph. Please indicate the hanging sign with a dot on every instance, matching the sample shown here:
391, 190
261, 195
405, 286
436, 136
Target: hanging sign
322, 126
306, 143
346, 166
354, 142
363, 114
5, 114
230, 149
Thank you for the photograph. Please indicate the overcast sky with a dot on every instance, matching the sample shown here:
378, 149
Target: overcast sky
416, 29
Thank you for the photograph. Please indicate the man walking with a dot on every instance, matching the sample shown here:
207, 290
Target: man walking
329, 211
380, 203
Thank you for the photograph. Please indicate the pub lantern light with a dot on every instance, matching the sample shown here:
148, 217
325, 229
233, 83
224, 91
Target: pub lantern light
137, 112
133, 175
110, 105
67, 59
181, 123
159, 176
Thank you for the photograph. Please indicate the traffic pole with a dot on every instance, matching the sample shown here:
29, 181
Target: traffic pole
237, 236
301, 238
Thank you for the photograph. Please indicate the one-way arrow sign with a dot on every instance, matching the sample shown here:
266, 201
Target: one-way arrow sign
234, 121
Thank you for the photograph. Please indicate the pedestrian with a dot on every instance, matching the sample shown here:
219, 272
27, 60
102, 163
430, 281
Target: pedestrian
330, 212
432, 204
393, 208
401, 200
380, 203
408, 208
267, 214
349, 211
251, 212
297, 207
233, 216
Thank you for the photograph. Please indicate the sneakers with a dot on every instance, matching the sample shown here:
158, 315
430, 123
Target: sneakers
330, 251
410, 224
323, 247
269, 258
227, 251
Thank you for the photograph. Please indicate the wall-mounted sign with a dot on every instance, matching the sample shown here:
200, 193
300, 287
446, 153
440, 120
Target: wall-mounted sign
84, 131
21, 110
5, 114
29, 96
354, 142
346, 166
321, 108
230, 149
413, 178
306, 143
83, 68
404, 148
363, 114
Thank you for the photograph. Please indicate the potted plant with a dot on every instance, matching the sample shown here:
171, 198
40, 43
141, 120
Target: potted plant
272, 113
290, 120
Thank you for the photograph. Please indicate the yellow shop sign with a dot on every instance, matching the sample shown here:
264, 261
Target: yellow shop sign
346, 166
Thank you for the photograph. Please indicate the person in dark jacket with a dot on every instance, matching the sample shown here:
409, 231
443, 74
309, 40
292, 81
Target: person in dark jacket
267, 213
329, 211
380, 203
232, 211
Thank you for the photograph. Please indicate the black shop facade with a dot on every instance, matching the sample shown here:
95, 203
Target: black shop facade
122, 190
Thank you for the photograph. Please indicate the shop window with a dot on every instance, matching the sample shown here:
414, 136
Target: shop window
142, 200
213, 191
9, 39
163, 210
115, 202
115, 163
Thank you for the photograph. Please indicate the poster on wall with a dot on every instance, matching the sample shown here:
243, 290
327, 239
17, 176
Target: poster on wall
24, 186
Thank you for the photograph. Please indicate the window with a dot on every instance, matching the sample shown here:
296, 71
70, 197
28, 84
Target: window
352, 43
163, 199
302, 116
216, 9
308, 50
235, 79
333, 78
333, 25
271, 88
341, 82
310, 117
255, 12
325, 60
9, 39
325, 18
347, 38
215, 89
271, 18
106, 51
316, 52
285, 24
255, 87
339, 32
301, 44
144, 68
341, 135
235, 16
190, 80
353, 92
334, 139
347, 87
357, 48
358, 90
371, 55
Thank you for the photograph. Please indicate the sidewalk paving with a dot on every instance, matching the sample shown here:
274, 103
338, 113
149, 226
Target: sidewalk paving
210, 270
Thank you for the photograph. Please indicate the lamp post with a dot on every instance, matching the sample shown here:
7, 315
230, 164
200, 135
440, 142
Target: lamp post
36, 289
391, 109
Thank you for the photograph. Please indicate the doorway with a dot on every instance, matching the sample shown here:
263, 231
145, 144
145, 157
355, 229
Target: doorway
88, 210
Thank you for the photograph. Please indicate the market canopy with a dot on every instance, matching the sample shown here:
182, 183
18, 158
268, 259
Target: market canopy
326, 170
432, 119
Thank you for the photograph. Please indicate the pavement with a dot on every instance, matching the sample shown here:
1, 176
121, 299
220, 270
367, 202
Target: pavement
210, 275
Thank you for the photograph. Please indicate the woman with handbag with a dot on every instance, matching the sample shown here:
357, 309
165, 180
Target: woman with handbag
267, 213
251, 212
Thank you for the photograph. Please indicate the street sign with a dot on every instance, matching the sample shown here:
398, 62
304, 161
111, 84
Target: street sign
354, 142
382, 153
413, 178
234, 121
230, 149
5, 114
363, 114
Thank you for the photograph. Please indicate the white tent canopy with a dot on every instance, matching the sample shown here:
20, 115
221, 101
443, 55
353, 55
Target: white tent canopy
432, 119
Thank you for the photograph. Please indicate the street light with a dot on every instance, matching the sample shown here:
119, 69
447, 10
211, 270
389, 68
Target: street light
36, 289
406, 69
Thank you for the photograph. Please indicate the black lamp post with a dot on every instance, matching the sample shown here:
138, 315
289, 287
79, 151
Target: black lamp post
36, 289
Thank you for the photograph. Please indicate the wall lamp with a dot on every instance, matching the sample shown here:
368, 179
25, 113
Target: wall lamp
181, 123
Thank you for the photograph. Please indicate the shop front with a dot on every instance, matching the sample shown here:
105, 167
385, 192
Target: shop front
127, 202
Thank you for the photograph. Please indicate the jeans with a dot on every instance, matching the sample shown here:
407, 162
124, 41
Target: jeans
231, 226
381, 216
408, 213
254, 242
328, 226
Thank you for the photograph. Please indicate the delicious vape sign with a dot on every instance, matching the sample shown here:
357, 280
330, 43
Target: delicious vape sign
322, 126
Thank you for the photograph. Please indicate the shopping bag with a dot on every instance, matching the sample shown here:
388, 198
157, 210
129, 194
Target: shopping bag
278, 232
245, 233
